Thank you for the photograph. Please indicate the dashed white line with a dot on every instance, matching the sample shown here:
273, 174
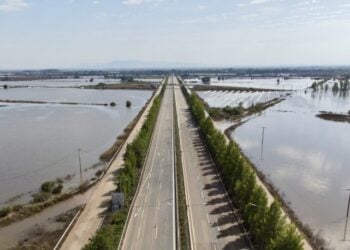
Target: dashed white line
156, 236
208, 219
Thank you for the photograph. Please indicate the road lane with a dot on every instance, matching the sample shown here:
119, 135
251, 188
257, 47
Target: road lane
211, 219
152, 221
92, 216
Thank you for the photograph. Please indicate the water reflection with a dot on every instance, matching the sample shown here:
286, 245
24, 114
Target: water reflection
306, 158
40, 142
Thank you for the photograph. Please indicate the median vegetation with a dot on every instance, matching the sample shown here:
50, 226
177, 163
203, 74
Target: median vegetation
181, 195
127, 180
269, 229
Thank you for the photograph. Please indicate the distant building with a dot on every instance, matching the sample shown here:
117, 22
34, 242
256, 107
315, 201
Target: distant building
206, 80
117, 201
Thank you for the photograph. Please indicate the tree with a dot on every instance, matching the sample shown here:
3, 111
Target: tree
288, 239
335, 87
256, 210
128, 104
274, 223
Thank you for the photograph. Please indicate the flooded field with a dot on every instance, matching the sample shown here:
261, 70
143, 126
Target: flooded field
72, 82
306, 158
60, 82
262, 83
75, 95
222, 99
39, 142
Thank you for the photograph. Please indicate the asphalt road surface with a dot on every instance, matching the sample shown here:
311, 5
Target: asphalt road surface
152, 220
92, 216
211, 219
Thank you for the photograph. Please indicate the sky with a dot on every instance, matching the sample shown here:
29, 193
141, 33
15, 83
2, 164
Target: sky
90, 33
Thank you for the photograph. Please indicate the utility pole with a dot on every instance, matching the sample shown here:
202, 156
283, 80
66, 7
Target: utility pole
347, 216
262, 142
81, 175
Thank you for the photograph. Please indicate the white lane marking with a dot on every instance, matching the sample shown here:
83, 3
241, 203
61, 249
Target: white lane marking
139, 232
217, 222
137, 212
156, 236
202, 194
208, 219
160, 185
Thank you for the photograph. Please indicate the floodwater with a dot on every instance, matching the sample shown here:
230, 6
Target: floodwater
262, 83
40, 142
75, 95
222, 99
306, 158
71, 82
17, 232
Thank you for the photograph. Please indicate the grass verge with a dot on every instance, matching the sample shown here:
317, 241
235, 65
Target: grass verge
111, 233
185, 243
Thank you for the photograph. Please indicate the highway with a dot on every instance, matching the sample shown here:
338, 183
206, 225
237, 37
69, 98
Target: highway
92, 216
211, 219
152, 221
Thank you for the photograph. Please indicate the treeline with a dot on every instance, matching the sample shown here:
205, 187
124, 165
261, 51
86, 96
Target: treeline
109, 236
341, 86
268, 227
136, 152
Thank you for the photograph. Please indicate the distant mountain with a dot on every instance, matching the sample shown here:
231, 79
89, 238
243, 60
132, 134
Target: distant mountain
135, 64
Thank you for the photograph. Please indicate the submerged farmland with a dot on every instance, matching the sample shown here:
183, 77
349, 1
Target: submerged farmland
305, 157
40, 142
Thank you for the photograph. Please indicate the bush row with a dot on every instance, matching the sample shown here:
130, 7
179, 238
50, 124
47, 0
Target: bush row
110, 234
268, 228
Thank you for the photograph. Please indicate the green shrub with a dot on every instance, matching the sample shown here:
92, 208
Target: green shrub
57, 189
47, 186
4, 212
41, 197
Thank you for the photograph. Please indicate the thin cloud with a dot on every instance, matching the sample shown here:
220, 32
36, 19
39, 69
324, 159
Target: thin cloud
133, 2
259, 1
139, 2
12, 5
